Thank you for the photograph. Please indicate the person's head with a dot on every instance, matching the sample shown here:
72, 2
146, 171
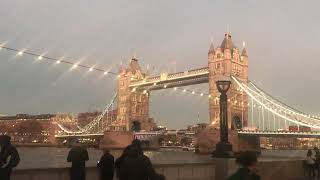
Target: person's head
105, 150
247, 159
137, 144
126, 150
75, 143
309, 153
5, 140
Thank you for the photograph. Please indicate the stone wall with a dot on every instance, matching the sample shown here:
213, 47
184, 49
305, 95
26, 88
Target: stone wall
218, 169
194, 171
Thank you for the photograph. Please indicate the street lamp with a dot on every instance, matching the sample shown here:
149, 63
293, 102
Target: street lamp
223, 148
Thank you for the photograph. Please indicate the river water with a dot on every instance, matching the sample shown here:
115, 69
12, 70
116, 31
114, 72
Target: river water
51, 157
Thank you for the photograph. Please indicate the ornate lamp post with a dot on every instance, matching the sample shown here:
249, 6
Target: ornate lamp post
223, 148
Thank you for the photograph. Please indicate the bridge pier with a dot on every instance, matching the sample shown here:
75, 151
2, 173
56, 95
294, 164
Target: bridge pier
207, 139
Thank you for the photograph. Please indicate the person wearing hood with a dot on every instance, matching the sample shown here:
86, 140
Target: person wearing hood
248, 167
9, 157
119, 163
106, 166
137, 166
78, 157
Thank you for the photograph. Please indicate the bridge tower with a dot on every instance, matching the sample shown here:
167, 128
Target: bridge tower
223, 62
133, 104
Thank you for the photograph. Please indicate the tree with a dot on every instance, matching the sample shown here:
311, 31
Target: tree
136, 126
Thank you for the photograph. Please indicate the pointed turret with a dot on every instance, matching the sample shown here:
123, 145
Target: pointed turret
244, 52
134, 65
227, 42
211, 49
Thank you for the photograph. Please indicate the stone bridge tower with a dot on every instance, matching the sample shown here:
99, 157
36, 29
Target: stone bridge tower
133, 105
223, 62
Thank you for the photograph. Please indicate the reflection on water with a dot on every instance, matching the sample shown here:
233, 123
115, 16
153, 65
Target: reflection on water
51, 157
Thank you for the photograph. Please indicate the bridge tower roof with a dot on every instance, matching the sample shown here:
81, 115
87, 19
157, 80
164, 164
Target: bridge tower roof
227, 42
134, 65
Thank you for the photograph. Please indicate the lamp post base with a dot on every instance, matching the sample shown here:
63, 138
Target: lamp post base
223, 150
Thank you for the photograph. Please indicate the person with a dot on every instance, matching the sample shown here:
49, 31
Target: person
137, 166
248, 167
317, 160
310, 164
119, 163
78, 157
106, 166
6, 163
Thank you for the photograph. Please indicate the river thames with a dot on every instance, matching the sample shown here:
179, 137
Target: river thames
52, 157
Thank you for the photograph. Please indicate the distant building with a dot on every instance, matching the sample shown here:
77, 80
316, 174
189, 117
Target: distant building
25, 128
198, 127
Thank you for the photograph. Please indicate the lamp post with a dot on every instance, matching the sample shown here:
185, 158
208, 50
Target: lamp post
223, 148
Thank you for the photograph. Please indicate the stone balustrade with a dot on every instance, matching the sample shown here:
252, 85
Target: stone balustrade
193, 171
214, 170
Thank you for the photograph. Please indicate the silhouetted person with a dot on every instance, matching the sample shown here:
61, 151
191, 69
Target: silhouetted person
317, 161
78, 157
310, 164
106, 166
119, 163
248, 164
137, 166
9, 157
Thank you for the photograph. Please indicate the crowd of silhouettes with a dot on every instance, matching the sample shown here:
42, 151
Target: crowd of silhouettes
9, 157
131, 165
313, 163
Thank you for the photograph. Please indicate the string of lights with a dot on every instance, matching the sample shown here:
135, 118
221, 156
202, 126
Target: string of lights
89, 68
57, 61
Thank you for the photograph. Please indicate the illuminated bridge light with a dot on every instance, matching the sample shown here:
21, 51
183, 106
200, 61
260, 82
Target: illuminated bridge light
165, 86
105, 73
20, 53
58, 62
145, 91
154, 84
193, 92
134, 89
40, 57
201, 94
209, 96
175, 88
91, 69
75, 66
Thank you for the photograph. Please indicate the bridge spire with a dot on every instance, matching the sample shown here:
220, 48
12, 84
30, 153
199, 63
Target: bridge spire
244, 51
211, 49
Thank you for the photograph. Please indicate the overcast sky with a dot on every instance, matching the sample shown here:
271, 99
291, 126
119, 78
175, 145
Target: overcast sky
282, 42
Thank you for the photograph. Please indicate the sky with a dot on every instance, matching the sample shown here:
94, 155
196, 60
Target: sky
282, 40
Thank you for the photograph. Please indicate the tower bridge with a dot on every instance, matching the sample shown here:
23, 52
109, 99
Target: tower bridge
249, 106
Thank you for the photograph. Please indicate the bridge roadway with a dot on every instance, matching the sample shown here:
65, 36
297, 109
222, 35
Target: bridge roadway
140, 134
266, 133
